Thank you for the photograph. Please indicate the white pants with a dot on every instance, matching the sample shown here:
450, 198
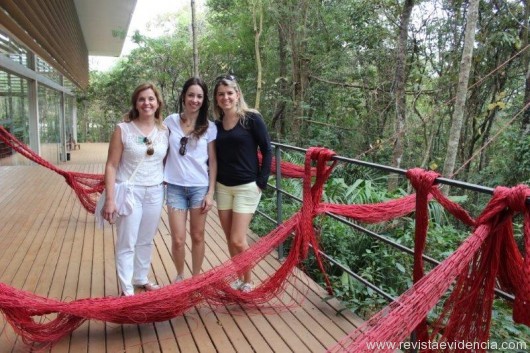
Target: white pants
135, 234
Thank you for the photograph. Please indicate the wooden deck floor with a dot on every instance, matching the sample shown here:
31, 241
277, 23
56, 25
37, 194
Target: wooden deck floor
50, 245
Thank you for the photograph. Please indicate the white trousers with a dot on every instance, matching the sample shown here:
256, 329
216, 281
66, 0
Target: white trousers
135, 234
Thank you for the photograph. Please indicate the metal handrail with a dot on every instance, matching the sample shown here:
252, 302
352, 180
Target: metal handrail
279, 212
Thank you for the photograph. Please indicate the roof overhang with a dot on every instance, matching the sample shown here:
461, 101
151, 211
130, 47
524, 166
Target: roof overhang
104, 24
64, 33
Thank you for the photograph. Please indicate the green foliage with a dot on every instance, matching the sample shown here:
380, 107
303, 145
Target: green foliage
342, 97
374, 260
503, 328
519, 166
347, 52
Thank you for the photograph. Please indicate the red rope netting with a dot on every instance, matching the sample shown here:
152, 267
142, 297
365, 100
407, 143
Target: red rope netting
86, 186
472, 270
89, 186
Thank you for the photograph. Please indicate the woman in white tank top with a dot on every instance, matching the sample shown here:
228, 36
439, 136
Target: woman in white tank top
138, 146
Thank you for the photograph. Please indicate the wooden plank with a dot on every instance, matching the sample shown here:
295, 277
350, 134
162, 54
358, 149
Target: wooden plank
71, 275
217, 330
27, 264
96, 341
280, 333
224, 329
58, 252
203, 312
246, 334
181, 326
161, 261
29, 226
96, 330
60, 230
60, 286
114, 332
14, 218
308, 316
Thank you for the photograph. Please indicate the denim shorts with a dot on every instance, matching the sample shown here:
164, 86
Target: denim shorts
185, 197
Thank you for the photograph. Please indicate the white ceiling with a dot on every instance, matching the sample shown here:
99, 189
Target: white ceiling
104, 24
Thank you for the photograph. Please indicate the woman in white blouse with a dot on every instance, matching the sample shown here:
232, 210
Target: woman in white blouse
137, 148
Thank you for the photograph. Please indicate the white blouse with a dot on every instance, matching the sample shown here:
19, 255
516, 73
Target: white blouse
151, 170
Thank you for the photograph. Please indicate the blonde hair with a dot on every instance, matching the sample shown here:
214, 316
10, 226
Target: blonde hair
241, 106
133, 113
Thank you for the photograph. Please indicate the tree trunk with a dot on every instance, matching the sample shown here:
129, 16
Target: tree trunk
400, 102
257, 16
428, 148
461, 92
194, 40
297, 35
526, 65
278, 119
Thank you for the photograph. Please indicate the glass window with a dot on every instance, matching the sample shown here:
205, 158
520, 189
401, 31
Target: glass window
15, 106
13, 50
13, 112
49, 123
45, 69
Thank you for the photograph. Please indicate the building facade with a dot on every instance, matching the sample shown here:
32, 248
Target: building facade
44, 50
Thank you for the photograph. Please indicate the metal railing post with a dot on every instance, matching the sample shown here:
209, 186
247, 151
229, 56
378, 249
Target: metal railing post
279, 200
358, 227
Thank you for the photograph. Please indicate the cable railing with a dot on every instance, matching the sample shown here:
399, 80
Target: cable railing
278, 217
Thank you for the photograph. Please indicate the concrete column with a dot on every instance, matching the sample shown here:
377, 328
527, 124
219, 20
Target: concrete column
33, 108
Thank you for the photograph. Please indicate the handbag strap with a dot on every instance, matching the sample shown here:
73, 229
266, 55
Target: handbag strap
131, 178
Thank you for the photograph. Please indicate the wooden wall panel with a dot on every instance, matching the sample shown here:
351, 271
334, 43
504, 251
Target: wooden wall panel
51, 29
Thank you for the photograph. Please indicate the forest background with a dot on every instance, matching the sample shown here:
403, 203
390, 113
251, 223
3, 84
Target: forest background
438, 84
374, 80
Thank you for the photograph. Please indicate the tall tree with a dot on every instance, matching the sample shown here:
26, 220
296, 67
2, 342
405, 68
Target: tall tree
194, 40
400, 98
296, 17
278, 117
526, 65
257, 17
461, 92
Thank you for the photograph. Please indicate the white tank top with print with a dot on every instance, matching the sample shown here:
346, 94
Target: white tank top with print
151, 171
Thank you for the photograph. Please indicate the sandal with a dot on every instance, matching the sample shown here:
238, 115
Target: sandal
178, 279
236, 284
148, 287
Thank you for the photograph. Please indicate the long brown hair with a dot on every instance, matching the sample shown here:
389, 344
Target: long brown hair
201, 124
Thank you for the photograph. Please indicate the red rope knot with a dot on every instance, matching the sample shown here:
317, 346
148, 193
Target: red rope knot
515, 266
312, 197
515, 198
322, 156
70, 179
422, 180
